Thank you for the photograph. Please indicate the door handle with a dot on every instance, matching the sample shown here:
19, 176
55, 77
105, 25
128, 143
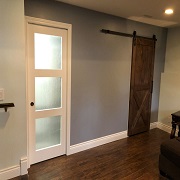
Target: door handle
32, 103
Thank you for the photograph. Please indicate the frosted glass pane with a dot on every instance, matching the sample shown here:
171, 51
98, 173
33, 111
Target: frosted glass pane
48, 132
47, 93
48, 51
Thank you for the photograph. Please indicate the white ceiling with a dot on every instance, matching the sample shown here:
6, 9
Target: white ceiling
147, 11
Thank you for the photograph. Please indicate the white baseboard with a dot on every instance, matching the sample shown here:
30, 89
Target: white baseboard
9, 173
153, 125
164, 127
23, 166
14, 171
97, 142
107, 139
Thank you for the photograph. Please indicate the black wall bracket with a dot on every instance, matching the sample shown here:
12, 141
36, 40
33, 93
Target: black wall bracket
6, 106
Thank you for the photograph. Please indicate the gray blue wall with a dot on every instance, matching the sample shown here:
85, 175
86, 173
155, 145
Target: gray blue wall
100, 67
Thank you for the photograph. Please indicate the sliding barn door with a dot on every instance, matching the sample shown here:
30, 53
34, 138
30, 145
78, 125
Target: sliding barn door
141, 85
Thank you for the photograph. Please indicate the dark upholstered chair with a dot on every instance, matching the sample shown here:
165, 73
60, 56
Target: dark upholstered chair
169, 159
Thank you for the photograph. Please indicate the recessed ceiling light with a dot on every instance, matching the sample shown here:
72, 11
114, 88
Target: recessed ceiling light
169, 11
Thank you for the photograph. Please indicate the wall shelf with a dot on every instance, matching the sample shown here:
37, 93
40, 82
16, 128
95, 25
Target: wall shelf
6, 106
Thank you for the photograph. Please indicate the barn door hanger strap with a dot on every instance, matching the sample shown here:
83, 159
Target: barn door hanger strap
134, 35
134, 38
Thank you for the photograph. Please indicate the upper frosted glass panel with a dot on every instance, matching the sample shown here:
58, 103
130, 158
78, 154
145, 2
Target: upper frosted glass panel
47, 93
48, 51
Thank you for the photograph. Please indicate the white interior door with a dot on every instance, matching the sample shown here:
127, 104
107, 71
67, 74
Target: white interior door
47, 76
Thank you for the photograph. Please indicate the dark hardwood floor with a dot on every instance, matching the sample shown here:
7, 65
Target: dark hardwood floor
134, 157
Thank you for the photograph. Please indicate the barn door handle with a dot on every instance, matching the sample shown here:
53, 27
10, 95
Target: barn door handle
152, 87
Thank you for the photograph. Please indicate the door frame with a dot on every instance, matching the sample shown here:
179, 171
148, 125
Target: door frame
68, 27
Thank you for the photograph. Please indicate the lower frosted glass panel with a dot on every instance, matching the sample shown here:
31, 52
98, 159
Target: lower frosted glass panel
48, 132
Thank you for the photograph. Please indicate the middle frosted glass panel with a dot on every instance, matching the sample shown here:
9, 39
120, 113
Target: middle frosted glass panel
47, 93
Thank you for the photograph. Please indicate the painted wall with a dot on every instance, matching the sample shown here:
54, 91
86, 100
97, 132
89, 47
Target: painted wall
13, 143
170, 86
100, 67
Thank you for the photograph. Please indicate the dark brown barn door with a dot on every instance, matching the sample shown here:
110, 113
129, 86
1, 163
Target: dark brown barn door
141, 85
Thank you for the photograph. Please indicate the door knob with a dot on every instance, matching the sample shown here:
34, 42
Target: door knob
32, 103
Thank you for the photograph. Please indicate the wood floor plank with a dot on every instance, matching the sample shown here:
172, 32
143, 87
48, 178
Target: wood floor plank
131, 158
